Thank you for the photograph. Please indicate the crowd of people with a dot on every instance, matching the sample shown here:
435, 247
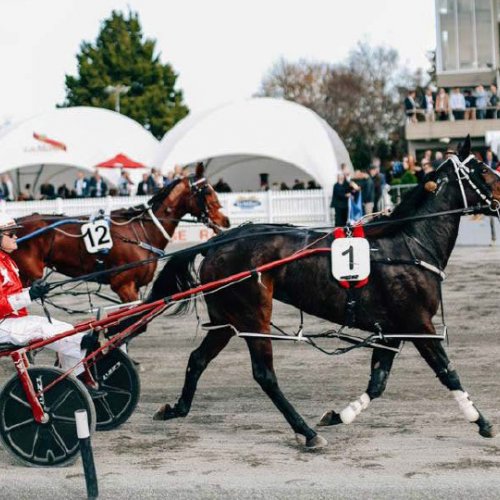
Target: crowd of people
457, 104
93, 186
362, 192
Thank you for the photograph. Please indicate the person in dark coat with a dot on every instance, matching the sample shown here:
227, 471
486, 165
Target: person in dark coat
340, 200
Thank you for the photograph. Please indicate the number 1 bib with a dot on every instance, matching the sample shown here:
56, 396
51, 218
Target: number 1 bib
350, 257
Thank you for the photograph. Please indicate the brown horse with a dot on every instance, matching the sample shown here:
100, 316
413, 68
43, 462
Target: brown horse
63, 249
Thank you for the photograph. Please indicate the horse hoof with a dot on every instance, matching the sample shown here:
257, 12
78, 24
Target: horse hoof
315, 442
330, 418
487, 431
165, 412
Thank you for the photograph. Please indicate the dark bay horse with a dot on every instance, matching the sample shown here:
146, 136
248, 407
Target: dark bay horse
399, 298
129, 227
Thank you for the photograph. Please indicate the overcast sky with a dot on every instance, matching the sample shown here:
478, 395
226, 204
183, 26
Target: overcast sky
220, 48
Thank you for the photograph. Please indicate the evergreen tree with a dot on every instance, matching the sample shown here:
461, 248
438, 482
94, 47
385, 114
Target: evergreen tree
120, 56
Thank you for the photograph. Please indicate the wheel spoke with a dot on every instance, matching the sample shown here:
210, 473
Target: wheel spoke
19, 400
115, 390
19, 425
59, 440
62, 418
105, 406
60, 400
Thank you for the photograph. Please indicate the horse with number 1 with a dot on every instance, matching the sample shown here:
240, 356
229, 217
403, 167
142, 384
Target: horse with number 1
129, 235
407, 253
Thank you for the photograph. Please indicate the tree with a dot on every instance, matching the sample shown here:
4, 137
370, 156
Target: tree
360, 98
121, 56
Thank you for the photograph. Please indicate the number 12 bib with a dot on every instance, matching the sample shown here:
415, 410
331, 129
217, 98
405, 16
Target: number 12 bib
97, 236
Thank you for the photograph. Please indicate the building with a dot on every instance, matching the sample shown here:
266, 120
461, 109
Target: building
467, 54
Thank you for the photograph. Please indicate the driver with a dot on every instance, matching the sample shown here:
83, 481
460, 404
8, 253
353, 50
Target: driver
16, 326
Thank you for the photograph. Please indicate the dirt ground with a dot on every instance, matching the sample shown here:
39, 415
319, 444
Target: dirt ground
412, 443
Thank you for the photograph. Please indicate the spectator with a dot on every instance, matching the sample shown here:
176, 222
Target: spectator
97, 186
481, 102
365, 182
492, 112
7, 188
124, 184
26, 194
340, 200
442, 105
143, 187
284, 187
63, 191
378, 184
222, 187
81, 185
312, 185
438, 159
411, 106
428, 155
470, 105
275, 186
47, 191
298, 185
178, 172
428, 105
159, 181
457, 104
169, 178
151, 181
490, 161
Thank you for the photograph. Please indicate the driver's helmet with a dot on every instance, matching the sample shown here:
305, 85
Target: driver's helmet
7, 223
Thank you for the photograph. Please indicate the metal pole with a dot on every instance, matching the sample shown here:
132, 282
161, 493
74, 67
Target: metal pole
82, 429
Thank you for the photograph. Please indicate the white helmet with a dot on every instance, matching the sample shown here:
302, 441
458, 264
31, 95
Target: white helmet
7, 223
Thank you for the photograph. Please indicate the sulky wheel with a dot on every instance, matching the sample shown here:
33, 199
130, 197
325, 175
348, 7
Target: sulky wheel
120, 384
54, 442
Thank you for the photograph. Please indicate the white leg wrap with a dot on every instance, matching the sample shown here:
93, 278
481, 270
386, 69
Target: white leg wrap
466, 405
348, 414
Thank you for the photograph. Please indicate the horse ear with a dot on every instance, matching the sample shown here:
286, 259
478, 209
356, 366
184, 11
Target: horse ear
464, 149
200, 170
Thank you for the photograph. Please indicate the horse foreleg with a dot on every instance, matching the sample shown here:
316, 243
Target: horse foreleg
434, 353
210, 347
381, 365
263, 372
127, 291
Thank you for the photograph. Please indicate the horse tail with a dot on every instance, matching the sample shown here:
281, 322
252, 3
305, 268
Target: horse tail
178, 275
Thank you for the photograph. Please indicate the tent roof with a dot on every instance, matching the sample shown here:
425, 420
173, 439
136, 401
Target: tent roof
79, 136
120, 160
263, 127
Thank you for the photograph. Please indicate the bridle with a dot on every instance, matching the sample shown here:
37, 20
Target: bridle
466, 174
199, 190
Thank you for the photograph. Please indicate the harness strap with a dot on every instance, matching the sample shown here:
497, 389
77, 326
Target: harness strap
415, 262
157, 223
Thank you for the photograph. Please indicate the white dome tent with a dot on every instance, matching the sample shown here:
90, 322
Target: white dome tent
52, 146
239, 141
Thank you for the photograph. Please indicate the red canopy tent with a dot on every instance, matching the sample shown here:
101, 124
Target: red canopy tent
120, 161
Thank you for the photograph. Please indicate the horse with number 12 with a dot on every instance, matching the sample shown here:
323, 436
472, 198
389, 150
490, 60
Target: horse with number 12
408, 252
135, 234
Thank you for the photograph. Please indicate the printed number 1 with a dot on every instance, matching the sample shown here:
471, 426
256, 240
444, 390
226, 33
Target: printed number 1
350, 251
88, 234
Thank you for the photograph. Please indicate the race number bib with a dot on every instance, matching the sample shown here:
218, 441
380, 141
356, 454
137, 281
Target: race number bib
97, 236
350, 259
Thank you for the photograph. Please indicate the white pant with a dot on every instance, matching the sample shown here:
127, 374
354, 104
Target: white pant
21, 331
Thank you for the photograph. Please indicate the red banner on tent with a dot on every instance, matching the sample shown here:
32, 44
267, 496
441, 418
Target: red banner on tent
52, 142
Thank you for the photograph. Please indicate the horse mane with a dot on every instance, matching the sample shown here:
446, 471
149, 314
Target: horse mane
154, 202
411, 201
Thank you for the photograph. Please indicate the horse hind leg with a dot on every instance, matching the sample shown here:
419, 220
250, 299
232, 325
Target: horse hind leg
435, 355
210, 347
381, 364
263, 372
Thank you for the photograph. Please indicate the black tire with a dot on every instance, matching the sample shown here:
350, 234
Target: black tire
54, 443
118, 379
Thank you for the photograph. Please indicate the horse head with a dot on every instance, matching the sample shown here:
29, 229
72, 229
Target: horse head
192, 195
479, 184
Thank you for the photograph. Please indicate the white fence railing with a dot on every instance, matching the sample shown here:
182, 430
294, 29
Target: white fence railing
299, 207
